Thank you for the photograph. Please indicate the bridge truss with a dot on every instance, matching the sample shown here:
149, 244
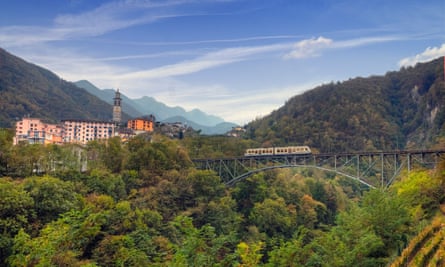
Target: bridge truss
373, 169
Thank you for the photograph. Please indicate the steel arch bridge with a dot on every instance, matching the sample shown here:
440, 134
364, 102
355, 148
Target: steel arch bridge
373, 169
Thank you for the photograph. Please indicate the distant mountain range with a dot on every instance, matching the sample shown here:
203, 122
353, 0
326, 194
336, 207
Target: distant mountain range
29, 90
198, 120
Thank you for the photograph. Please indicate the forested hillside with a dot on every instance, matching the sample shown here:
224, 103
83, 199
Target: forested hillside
142, 203
402, 109
29, 90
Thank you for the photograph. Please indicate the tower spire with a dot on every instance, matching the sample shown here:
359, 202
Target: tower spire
117, 109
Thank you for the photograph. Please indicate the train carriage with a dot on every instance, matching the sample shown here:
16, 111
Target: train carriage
270, 151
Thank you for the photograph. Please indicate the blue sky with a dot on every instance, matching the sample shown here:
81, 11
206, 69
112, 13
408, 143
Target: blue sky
237, 59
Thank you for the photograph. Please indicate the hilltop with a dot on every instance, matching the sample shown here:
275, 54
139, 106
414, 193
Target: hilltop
402, 109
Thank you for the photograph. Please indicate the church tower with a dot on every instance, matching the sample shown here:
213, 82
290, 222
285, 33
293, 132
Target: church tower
117, 109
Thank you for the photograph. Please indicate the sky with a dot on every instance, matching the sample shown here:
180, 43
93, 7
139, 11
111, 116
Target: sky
236, 59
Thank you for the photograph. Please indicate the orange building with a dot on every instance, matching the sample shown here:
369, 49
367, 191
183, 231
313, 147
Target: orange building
141, 124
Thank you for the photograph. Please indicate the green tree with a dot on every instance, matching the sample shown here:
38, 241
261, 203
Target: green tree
59, 243
366, 234
274, 217
51, 196
131, 180
119, 250
252, 190
250, 254
200, 246
292, 253
206, 185
144, 155
6, 138
16, 212
95, 151
221, 214
102, 181
389, 218
113, 155
26, 160
310, 211
350, 243
422, 191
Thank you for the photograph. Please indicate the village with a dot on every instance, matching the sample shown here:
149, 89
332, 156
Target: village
36, 131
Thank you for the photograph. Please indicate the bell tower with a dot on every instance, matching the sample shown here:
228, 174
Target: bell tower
117, 109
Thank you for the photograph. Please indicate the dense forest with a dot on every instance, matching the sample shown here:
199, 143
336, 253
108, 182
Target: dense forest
402, 109
142, 203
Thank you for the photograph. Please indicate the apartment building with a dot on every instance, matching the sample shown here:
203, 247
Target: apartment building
34, 131
83, 131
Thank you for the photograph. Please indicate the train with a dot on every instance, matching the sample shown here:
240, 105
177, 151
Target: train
271, 151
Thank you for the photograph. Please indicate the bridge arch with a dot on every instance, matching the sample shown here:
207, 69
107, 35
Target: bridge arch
252, 172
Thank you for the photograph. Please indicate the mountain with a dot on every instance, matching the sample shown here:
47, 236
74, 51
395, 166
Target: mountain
149, 105
403, 109
198, 120
29, 90
220, 128
107, 95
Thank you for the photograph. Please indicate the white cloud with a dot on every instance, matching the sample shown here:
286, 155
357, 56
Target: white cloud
309, 47
206, 61
429, 54
105, 18
314, 46
364, 41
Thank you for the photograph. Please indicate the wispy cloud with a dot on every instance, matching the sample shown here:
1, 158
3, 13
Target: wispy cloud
209, 41
315, 46
309, 47
429, 54
105, 18
98, 68
350, 43
206, 61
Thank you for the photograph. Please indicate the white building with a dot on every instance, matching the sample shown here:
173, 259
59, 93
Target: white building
83, 131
